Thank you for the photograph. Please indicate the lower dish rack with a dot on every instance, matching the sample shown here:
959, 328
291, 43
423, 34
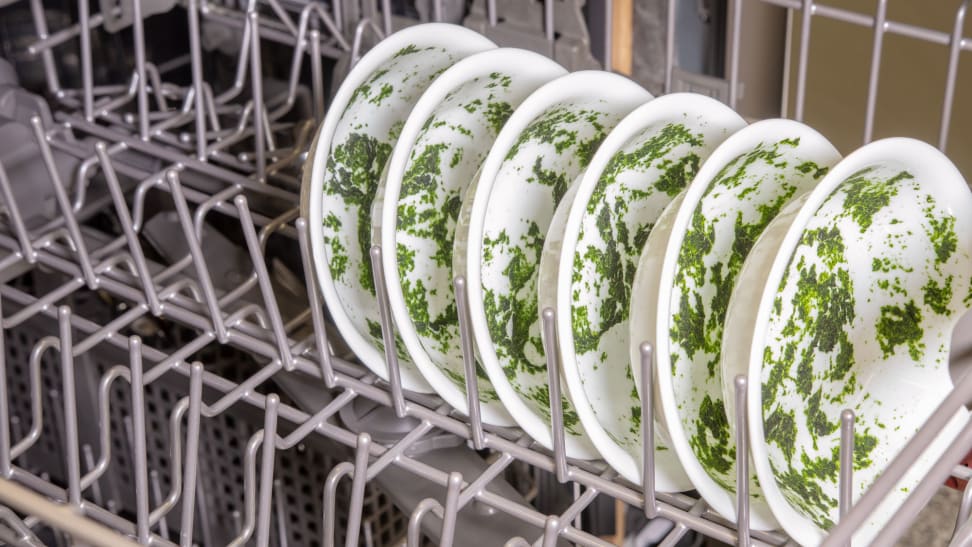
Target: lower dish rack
171, 377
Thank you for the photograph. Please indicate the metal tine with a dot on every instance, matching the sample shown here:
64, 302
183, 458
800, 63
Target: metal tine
647, 353
246, 523
47, 56
330, 500
955, 47
872, 80
266, 468
263, 279
89, 461
192, 456
548, 24
549, 319
17, 221
364, 23
742, 461
64, 204
965, 508
386, 16
960, 394
256, 82
156, 484
279, 513
469, 364
453, 487
36, 397
5, 466
670, 44
845, 480
317, 74
316, 308
198, 258
734, 53
551, 531
388, 333
806, 15
138, 33
155, 79
449, 511
69, 400
125, 220
139, 449
437, 10
205, 524
358, 480
359, 473
413, 536
195, 55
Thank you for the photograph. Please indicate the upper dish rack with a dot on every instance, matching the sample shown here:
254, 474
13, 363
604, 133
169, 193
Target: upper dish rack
232, 157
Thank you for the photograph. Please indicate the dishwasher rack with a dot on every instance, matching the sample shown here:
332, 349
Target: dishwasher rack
141, 385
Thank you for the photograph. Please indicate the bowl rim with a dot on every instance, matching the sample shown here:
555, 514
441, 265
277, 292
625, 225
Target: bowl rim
461, 39
613, 88
667, 108
903, 150
743, 141
509, 60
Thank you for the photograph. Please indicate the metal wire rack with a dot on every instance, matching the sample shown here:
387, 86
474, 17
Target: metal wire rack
157, 365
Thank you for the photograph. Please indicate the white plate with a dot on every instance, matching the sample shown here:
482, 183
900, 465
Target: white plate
735, 194
544, 146
353, 144
444, 142
588, 266
850, 302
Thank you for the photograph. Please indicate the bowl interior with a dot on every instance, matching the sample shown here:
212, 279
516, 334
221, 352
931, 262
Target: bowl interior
356, 140
521, 186
442, 146
862, 319
649, 158
727, 207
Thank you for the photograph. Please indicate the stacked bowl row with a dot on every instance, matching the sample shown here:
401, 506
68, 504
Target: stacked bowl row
732, 248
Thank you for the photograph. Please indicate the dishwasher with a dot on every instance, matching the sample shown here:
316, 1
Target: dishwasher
171, 375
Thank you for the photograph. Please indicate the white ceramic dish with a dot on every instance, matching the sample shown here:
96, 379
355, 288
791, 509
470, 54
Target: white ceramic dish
850, 301
353, 144
442, 145
588, 266
735, 194
544, 146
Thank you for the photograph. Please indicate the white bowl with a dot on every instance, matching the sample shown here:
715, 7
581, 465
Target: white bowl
850, 301
353, 144
445, 140
589, 264
544, 146
735, 194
